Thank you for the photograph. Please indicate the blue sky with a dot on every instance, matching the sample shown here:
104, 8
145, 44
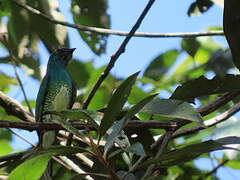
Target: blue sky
165, 16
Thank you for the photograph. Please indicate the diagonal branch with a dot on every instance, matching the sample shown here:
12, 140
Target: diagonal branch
115, 32
208, 123
115, 56
20, 84
13, 107
166, 138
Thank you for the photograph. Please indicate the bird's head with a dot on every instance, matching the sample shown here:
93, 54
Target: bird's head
62, 55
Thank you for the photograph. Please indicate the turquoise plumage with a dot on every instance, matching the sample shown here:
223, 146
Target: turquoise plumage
56, 92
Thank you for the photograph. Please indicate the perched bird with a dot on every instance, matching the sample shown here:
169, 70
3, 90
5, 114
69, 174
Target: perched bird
56, 92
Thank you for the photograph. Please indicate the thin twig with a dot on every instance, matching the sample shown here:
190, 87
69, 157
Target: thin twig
119, 33
115, 56
214, 170
34, 145
20, 84
22, 137
166, 139
208, 123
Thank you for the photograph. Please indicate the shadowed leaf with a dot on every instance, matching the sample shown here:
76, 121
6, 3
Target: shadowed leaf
171, 108
116, 103
203, 87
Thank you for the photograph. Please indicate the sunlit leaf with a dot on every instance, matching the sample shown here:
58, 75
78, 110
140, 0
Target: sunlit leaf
5, 147
31, 169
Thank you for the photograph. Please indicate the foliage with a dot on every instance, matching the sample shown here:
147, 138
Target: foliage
107, 147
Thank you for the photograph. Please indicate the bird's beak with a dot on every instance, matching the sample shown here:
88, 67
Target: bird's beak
71, 50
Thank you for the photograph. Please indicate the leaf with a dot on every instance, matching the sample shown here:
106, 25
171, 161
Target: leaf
4, 8
31, 169
116, 103
6, 82
171, 108
60, 150
161, 64
104, 93
229, 127
199, 6
126, 175
136, 149
203, 87
52, 35
98, 168
95, 15
192, 151
136, 95
80, 72
190, 45
220, 62
5, 147
231, 27
79, 114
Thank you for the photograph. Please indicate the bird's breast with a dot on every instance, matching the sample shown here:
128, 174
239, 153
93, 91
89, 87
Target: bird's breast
61, 100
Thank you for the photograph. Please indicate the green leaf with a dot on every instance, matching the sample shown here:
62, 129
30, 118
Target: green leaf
4, 8
52, 35
126, 175
116, 103
136, 95
171, 108
203, 87
161, 64
79, 114
60, 150
137, 107
220, 62
31, 169
231, 28
80, 77
104, 93
136, 149
6, 81
95, 15
190, 45
192, 151
5, 147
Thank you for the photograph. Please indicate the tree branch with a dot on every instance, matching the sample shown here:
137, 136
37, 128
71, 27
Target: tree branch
216, 168
20, 82
209, 123
13, 107
217, 103
115, 56
115, 32
166, 138
30, 126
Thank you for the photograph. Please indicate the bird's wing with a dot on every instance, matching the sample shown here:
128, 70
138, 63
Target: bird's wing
73, 95
41, 98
